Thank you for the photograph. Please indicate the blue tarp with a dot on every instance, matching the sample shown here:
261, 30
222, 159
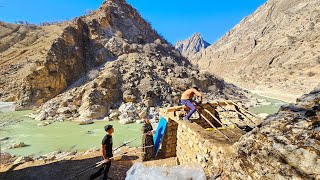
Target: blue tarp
157, 138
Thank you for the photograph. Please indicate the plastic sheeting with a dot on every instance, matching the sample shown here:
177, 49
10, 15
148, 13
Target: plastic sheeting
182, 172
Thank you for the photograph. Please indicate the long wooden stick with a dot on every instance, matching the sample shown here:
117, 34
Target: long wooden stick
245, 110
214, 117
214, 126
126, 143
235, 125
240, 113
102, 162
128, 152
93, 166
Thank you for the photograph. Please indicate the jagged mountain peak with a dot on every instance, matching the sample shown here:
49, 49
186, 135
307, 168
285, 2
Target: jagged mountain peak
117, 17
191, 46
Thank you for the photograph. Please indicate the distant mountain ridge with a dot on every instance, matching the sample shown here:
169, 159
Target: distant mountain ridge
191, 46
274, 51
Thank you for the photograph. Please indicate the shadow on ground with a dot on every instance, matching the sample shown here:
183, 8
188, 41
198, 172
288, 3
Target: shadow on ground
66, 169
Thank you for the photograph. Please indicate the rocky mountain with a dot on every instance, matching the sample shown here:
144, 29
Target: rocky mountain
275, 50
285, 146
191, 46
83, 68
39, 62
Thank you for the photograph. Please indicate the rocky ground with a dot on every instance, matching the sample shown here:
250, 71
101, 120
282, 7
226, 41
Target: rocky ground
274, 51
285, 146
65, 165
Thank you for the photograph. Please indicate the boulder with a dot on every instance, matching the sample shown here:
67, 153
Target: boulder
126, 120
263, 115
22, 159
139, 121
5, 156
86, 122
42, 116
52, 154
65, 154
44, 124
107, 119
128, 97
143, 114
93, 105
127, 107
114, 115
64, 110
4, 138
31, 115
17, 145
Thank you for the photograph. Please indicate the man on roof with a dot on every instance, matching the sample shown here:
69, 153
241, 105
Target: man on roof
186, 99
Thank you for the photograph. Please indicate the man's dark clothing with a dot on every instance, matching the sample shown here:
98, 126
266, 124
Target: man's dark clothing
107, 140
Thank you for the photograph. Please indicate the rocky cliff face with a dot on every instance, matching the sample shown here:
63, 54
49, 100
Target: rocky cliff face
274, 50
23, 49
191, 46
95, 62
63, 53
285, 146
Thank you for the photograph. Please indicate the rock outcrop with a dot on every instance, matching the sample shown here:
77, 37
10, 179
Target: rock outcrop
285, 146
274, 50
23, 51
192, 46
109, 57
39, 62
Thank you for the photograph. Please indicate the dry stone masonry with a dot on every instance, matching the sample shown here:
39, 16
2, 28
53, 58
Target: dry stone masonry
194, 142
283, 146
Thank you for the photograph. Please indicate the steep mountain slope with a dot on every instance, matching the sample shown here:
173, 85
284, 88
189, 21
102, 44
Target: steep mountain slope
55, 56
22, 49
275, 50
97, 61
191, 46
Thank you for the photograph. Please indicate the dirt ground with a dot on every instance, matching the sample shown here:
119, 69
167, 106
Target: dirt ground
66, 169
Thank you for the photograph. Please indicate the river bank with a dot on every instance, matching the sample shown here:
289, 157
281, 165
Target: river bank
6, 106
43, 137
59, 136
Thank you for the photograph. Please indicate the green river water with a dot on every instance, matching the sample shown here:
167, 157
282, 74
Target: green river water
69, 136
63, 136
269, 109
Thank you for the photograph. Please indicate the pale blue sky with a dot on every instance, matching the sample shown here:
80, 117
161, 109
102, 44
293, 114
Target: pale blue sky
174, 19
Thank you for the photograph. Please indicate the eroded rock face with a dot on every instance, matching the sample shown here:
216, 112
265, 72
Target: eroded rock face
274, 50
150, 76
286, 146
39, 62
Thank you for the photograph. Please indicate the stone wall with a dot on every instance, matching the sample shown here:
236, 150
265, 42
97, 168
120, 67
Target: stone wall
193, 142
169, 142
209, 148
